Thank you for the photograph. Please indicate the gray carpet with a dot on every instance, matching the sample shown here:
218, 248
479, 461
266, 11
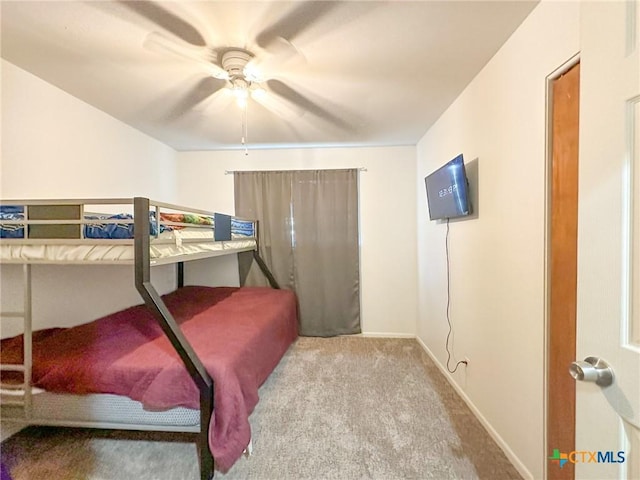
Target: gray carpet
338, 408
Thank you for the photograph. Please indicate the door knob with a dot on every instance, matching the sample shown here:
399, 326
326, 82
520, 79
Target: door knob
592, 369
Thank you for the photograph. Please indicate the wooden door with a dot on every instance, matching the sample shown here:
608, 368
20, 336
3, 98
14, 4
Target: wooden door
565, 106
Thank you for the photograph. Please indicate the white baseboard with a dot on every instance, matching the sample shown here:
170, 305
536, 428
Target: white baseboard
513, 458
385, 335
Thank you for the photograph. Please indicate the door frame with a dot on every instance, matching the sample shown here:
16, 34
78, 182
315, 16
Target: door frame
557, 73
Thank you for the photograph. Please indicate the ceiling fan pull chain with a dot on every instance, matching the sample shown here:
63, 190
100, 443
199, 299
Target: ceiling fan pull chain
245, 129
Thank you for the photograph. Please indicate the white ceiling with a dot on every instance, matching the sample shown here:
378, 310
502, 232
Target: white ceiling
340, 72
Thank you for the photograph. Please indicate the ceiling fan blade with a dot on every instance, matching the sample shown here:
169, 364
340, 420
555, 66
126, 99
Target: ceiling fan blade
281, 35
278, 105
166, 20
203, 90
304, 103
203, 56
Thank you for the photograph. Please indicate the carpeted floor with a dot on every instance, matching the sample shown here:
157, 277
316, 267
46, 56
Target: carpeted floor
337, 408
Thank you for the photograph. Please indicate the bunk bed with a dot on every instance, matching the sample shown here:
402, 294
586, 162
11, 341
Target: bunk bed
153, 366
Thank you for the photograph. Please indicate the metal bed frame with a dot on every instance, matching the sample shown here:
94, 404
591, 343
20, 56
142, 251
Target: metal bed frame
142, 266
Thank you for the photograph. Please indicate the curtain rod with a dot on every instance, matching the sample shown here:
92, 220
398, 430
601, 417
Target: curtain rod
229, 172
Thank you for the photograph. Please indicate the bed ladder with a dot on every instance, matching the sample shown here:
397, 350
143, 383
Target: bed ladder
21, 391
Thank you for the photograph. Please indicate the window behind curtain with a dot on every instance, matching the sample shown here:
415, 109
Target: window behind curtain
309, 240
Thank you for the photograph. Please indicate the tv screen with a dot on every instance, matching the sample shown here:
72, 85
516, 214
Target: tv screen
447, 191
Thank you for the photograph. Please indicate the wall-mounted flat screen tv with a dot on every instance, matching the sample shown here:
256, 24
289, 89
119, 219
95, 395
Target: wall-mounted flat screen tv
448, 191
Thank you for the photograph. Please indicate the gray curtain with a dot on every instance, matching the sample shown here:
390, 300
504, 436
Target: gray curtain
309, 240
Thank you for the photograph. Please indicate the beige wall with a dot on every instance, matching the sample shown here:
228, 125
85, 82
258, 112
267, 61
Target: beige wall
498, 258
387, 216
56, 146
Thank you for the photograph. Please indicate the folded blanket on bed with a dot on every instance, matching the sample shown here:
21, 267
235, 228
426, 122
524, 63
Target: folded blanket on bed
186, 218
240, 334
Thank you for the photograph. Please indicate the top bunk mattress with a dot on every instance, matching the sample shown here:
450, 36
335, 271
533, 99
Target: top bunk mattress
171, 248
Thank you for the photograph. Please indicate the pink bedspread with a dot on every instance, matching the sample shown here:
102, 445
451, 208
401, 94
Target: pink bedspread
240, 334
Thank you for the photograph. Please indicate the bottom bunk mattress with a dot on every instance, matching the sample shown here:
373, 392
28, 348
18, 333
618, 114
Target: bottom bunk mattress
240, 335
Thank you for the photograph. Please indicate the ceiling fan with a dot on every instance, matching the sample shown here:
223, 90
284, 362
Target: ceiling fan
244, 80
234, 72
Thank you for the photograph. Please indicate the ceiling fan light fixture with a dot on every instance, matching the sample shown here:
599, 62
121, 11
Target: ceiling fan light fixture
241, 75
243, 82
241, 95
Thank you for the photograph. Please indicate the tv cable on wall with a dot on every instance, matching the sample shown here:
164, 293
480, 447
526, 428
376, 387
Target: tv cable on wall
464, 362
